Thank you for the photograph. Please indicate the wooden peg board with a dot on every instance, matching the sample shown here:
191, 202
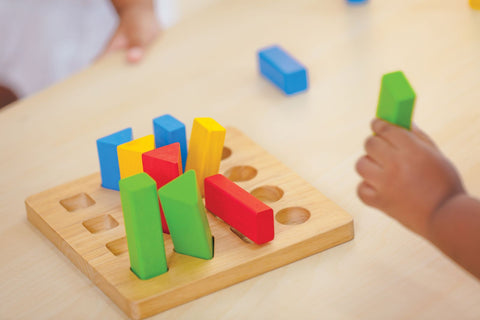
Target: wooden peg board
85, 222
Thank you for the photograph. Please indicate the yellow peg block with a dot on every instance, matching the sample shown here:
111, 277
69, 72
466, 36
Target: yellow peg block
475, 4
205, 149
130, 155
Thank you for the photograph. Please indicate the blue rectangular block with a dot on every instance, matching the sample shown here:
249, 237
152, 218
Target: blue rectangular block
282, 70
168, 130
108, 157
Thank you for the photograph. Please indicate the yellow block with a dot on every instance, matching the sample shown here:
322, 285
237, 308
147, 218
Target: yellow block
130, 155
475, 4
205, 148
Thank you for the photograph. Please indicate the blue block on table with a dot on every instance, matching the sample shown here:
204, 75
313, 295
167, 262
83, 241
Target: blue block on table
283, 70
168, 130
108, 157
356, 1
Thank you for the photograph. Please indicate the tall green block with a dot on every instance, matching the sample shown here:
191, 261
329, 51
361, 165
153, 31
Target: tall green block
186, 217
141, 213
397, 100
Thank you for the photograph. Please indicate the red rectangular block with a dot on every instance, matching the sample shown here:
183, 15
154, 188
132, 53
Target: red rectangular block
163, 164
239, 209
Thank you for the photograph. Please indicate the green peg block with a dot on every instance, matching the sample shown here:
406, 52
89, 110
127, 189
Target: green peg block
186, 218
141, 213
396, 100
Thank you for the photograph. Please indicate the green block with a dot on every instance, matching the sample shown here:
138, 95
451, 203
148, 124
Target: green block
186, 218
396, 100
141, 213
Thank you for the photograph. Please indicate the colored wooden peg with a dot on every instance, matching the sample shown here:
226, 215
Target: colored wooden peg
108, 157
282, 70
163, 165
205, 148
130, 155
238, 208
397, 100
168, 130
475, 4
143, 227
186, 217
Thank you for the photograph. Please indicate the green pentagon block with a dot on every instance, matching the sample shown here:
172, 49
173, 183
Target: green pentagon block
186, 218
141, 213
396, 100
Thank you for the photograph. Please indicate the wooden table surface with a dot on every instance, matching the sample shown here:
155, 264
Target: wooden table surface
206, 66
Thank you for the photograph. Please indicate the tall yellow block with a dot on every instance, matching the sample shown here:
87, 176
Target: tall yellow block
205, 149
130, 155
475, 4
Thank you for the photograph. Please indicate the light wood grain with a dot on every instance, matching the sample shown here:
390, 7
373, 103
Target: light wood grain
205, 66
84, 231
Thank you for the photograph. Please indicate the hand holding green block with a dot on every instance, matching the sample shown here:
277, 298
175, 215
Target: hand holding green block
186, 217
143, 226
397, 100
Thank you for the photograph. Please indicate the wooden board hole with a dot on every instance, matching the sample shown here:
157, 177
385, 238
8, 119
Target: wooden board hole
226, 152
118, 247
101, 223
267, 193
292, 215
79, 201
241, 173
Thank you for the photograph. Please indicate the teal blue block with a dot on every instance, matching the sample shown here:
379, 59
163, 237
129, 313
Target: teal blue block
168, 130
186, 216
108, 157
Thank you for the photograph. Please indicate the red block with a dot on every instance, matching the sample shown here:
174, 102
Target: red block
163, 164
239, 209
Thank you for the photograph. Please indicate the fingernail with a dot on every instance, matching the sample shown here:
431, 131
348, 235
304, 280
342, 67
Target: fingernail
134, 54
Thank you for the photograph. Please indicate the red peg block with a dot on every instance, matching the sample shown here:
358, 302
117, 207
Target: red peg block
239, 209
163, 164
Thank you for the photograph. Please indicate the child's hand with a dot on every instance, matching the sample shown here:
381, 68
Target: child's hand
405, 175
137, 28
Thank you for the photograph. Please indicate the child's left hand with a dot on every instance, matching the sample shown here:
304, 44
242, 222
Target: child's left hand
138, 27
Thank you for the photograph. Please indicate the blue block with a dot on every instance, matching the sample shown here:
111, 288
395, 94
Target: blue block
283, 70
168, 130
108, 157
356, 1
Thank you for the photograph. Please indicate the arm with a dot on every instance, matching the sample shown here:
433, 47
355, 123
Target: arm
137, 28
406, 176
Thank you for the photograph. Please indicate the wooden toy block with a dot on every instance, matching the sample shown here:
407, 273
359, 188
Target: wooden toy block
138, 194
130, 155
238, 208
397, 100
168, 130
205, 148
108, 157
282, 70
186, 218
163, 165
356, 1
306, 222
475, 4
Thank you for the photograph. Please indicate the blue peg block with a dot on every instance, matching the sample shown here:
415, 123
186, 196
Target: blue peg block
282, 70
108, 157
356, 1
168, 130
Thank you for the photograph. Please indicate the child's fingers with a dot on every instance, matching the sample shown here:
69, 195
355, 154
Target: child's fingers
397, 136
369, 170
118, 41
422, 135
378, 149
368, 194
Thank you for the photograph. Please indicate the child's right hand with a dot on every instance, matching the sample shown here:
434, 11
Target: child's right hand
405, 175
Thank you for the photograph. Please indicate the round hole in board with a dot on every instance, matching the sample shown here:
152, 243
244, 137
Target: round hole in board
292, 215
241, 173
226, 153
267, 193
